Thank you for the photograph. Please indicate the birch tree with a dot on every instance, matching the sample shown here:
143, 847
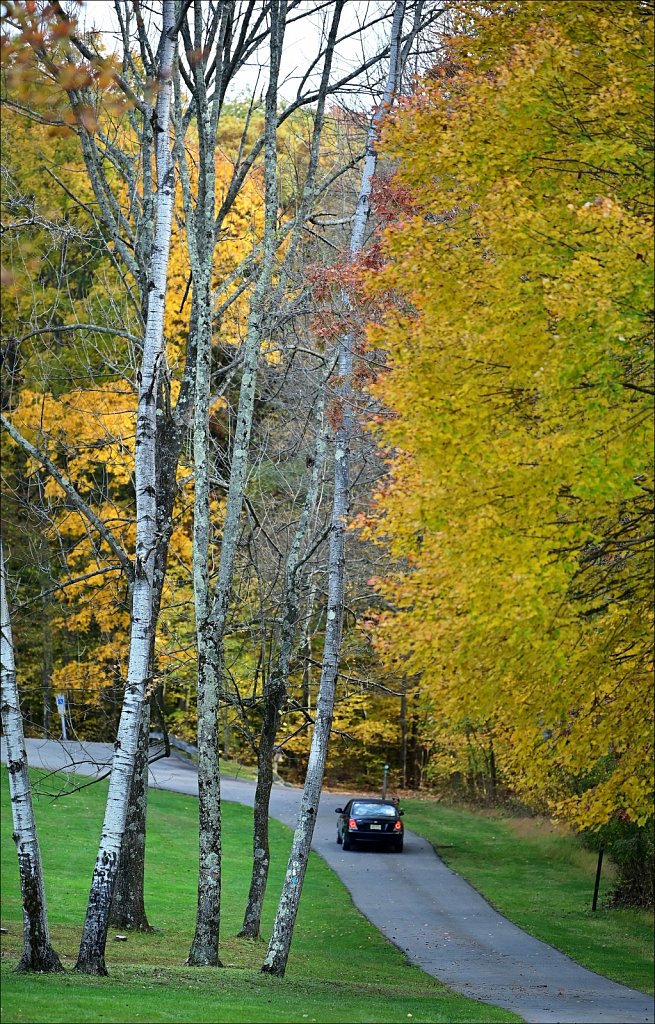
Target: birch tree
280, 942
139, 241
124, 214
94, 935
38, 954
201, 241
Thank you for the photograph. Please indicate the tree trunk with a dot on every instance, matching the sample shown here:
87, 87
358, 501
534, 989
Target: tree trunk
38, 954
128, 905
280, 942
493, 773
45, 572
403, 732
260, 845
306, 651
205, 944
91, 958
46, 664
204, 947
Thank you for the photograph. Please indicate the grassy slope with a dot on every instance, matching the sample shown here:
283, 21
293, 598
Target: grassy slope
543, 880
340, 967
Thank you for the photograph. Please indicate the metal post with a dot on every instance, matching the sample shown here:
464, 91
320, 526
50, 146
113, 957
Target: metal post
384, 782
403, 730
61, 708
597, 885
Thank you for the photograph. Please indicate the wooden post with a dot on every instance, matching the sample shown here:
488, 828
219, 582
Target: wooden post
594, 902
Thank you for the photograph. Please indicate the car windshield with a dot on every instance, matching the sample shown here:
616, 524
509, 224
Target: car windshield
362, 809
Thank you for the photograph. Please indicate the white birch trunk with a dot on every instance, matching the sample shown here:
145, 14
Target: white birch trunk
91, 958
38, 954
280, 942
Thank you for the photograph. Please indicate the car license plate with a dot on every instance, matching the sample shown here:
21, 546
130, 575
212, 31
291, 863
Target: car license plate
376, 827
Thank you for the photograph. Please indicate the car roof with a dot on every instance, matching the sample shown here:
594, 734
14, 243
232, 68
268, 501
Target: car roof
370, 800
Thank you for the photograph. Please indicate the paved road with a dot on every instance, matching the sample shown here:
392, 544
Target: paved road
423, 907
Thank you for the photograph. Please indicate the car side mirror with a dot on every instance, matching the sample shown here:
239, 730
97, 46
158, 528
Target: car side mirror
400, 814
338, 810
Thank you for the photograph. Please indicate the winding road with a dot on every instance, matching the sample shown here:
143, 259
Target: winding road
436, 918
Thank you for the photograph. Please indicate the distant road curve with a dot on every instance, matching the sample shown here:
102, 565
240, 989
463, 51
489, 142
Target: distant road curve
439, 921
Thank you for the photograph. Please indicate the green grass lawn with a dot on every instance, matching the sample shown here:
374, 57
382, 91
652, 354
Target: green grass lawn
340, 967
542, 879
229, 768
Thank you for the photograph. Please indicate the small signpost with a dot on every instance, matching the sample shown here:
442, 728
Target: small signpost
61, 708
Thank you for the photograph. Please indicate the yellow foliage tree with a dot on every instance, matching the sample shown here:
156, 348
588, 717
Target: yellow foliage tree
519, 396
78, 408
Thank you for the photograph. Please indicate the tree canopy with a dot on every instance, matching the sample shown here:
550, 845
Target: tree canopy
516, 317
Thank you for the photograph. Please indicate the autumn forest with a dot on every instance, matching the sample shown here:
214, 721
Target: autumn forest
327, 411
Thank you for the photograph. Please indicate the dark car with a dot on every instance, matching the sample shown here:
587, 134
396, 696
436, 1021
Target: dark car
365, 820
